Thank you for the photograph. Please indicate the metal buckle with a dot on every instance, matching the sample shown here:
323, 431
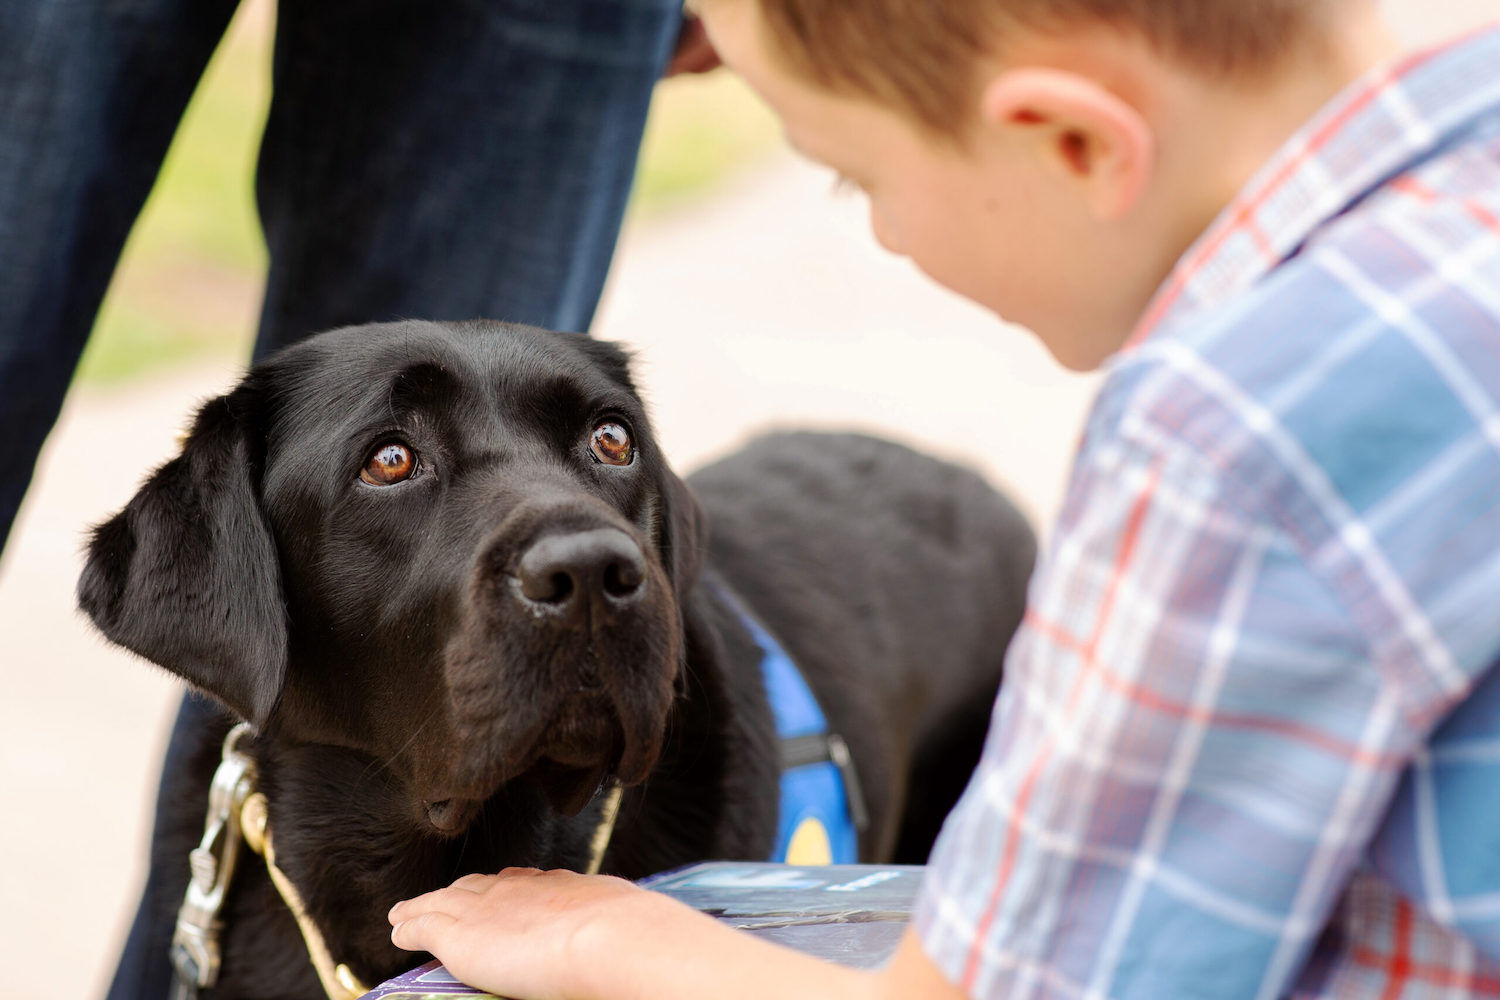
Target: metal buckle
195, 943
838, 752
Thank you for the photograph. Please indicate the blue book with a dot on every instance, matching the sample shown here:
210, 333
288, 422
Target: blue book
850, 914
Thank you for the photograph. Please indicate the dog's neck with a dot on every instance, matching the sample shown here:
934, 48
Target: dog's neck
239, 818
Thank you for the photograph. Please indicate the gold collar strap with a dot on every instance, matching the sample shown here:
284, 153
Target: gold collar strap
607, 815
338, 980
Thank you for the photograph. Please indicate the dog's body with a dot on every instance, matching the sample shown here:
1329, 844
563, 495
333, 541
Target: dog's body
416, 558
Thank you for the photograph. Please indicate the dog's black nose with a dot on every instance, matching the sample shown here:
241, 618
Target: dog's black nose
561, 571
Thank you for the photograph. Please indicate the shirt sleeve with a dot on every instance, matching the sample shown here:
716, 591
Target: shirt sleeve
1189, 753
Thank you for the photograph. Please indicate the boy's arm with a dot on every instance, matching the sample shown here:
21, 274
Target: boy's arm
530, 934
1190, 752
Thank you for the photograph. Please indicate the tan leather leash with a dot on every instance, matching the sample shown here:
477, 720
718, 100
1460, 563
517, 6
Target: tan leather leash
238, 814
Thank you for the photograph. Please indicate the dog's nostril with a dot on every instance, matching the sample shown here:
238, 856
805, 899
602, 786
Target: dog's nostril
546, 585
622, 579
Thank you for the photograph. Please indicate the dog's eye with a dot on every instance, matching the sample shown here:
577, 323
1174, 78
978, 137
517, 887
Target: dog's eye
610, 444
391, 463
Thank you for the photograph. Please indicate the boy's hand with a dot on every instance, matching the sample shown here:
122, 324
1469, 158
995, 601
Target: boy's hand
524, 932
536, 935
694, 52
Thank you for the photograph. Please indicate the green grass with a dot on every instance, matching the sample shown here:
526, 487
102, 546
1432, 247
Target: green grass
200, 215
189, 281
701, 130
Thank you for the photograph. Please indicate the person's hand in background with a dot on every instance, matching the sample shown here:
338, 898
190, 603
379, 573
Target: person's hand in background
694, 53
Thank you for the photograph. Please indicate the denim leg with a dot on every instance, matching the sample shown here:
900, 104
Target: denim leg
90, 94
468, 163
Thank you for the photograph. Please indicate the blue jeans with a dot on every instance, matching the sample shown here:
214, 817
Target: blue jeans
464, 159
455, 160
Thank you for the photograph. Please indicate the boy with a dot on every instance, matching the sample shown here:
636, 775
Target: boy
1249, 740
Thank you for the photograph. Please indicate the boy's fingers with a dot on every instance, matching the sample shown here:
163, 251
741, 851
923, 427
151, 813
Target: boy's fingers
454, 901
451, 898
517, 872
474, 882
423, 932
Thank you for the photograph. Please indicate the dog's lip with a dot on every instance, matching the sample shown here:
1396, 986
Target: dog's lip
451, 815
575, 759
636, 762
569, 787
584, 730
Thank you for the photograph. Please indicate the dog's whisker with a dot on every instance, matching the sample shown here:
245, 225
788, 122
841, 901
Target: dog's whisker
416, 732
463, 848
385, 764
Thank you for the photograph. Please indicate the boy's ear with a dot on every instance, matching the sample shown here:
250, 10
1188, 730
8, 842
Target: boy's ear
187, 574
1093, 137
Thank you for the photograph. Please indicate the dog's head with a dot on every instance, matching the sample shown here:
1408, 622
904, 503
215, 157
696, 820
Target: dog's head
453, 547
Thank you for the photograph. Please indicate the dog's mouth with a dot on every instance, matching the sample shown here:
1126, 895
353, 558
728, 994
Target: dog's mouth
567, 787
582, 746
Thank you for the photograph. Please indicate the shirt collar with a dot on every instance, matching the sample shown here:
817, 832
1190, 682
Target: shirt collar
1372, 132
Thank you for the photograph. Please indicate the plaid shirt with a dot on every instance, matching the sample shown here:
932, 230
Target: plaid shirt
1249, 739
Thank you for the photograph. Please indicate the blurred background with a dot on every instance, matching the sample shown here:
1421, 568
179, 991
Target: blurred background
752, 294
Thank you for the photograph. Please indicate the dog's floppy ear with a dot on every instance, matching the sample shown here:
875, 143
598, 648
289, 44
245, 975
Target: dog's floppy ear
187, 574
686, 532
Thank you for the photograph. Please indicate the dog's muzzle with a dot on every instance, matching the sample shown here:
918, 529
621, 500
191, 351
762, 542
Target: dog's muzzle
564, 668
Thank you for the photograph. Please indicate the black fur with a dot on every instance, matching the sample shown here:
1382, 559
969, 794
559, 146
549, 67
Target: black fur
419, 716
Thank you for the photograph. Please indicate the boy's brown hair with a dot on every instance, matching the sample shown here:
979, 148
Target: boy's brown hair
921, 57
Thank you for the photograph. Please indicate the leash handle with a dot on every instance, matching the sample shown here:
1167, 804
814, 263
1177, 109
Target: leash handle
185, 978
195, 941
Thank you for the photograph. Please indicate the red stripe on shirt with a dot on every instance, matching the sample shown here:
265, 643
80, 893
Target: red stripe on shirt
1044, 753
1399, 966
1410, 185
1229, 720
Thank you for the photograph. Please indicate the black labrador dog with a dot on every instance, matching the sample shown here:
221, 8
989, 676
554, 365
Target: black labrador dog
446, 574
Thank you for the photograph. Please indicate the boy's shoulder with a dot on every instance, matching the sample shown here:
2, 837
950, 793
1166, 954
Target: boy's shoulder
1321, 388
1357, 364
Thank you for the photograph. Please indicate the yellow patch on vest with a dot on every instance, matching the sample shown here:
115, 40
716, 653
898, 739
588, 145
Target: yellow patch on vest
809, 844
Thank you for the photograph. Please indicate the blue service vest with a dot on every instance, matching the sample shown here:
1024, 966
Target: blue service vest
822, 808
